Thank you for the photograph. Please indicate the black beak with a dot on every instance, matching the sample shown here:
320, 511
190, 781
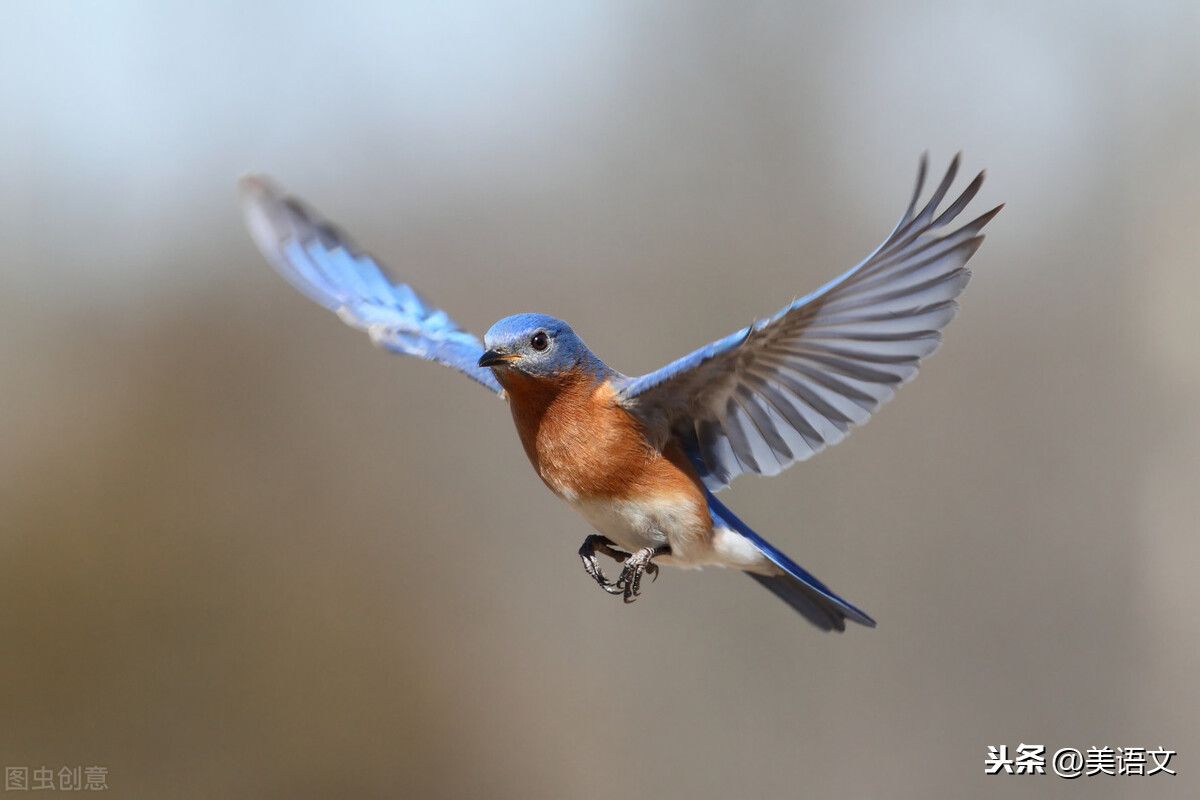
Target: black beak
491, 358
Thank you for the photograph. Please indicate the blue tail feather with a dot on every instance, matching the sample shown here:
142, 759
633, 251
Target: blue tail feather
796, 586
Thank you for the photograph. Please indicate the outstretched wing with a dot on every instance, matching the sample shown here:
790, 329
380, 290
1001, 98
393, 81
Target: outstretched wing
324, 264
786, 387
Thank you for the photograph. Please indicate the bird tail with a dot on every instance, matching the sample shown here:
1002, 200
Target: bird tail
795, 586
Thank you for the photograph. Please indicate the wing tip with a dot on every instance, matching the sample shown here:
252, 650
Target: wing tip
254, 180
257, 189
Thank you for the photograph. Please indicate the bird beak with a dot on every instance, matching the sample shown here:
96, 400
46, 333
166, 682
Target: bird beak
493, 358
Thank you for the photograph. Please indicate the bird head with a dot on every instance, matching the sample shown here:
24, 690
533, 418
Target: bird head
538, 346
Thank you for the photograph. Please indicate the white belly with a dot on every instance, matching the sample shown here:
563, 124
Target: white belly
676, 522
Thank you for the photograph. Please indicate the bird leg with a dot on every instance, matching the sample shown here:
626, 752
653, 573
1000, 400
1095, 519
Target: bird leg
587, 553
629, 584
636, 565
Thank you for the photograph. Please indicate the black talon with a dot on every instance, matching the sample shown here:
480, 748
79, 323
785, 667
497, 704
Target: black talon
587, 553
637, 565
629, 583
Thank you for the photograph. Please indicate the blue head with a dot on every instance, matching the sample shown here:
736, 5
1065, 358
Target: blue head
539, 346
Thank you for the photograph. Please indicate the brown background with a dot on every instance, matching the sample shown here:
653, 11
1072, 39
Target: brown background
244, 554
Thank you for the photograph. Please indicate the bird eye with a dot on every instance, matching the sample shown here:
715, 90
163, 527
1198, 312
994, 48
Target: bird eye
538, 341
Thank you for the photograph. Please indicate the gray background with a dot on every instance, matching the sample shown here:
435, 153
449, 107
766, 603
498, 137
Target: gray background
244, 554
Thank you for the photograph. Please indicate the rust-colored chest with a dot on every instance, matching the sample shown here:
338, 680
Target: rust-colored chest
585, 446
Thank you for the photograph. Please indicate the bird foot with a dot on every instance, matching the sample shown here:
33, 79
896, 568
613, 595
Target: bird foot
637, 565
629, 583
587, 553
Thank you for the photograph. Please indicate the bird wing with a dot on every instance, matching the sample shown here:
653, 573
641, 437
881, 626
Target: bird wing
324, 264
784, 388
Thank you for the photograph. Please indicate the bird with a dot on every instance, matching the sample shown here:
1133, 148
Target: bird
642, 458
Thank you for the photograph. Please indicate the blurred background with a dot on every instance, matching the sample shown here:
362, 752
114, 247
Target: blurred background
245, 554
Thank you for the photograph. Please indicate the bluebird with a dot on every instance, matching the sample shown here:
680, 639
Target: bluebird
641, 458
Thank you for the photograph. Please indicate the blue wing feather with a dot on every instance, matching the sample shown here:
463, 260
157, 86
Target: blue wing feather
329, 269
786, 387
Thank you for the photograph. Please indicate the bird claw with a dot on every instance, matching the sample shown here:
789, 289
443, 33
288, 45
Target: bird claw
587, 554
629, 583
636, 566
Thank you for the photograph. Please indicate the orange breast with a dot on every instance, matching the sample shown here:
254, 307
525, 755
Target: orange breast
586, 447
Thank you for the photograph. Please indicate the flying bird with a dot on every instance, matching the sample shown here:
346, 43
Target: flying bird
640, 458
